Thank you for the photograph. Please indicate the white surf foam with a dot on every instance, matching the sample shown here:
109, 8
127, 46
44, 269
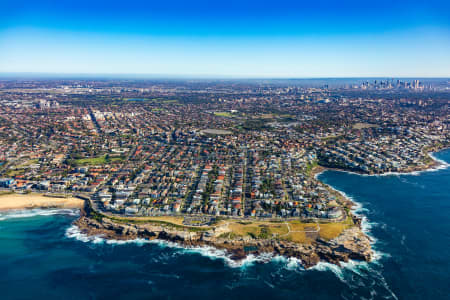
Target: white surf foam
207, 251
443, 163
214, 254
75, 233
293, 263
357, 274
324, 266
28, 213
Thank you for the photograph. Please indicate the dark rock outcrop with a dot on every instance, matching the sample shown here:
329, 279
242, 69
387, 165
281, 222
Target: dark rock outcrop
351, 244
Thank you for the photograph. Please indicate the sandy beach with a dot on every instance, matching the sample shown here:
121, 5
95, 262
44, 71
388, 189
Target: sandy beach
32, 200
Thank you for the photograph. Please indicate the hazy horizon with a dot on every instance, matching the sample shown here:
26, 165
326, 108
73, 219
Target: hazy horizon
150, 76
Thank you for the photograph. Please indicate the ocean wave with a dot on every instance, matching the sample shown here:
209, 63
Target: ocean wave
213, 253
293, 263
74, 232
360, 268
28, 213
250, 260
324, 266
358, 275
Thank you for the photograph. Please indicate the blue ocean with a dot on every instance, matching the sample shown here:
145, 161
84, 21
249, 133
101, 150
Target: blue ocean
42, 256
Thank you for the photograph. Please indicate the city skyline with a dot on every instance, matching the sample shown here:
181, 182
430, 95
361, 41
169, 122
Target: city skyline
251, 39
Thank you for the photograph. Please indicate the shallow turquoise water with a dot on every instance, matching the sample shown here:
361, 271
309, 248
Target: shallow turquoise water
408, 215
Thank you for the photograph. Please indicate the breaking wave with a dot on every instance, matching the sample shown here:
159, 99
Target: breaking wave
28, 213
75, 233
357, 275
207, 251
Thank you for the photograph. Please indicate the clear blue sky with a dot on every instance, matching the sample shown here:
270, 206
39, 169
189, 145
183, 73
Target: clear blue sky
227, 38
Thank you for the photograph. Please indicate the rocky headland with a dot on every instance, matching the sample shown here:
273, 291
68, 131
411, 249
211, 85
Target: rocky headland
352, 243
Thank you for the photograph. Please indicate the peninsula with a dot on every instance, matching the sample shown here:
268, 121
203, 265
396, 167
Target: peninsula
310, 242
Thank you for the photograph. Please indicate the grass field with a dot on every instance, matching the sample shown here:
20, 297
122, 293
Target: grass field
297, 231
101, 160
331, 230
28, 163
222, 114
91, 161
168, 221
14, 172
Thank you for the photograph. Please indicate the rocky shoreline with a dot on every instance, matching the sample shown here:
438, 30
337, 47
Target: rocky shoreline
352, 243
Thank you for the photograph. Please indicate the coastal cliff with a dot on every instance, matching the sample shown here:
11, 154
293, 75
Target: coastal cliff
352, 243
